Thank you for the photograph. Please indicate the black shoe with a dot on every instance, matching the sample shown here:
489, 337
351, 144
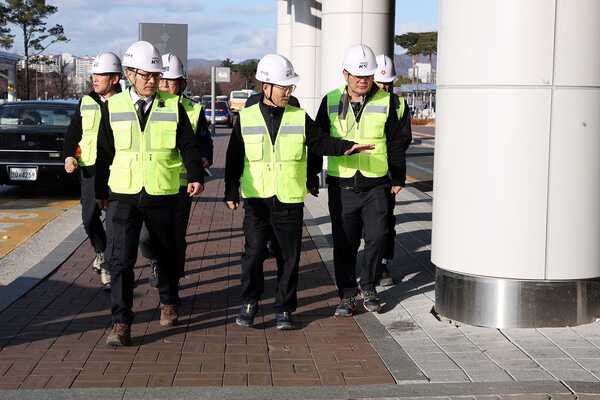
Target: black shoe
284, 321
247, 314
346, 308
371, 301
153, 278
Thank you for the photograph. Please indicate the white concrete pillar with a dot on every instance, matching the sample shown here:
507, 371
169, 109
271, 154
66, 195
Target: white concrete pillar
284, 28
516, 221
346, 23
306, 52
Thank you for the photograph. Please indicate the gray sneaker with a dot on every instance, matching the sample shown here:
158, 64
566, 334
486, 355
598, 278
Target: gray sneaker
386, 279
98, 261
105, 276
284, 321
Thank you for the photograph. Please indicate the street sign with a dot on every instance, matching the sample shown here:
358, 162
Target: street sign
168, 38
223, 74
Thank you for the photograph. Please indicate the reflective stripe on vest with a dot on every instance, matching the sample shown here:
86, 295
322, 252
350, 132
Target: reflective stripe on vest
193, 111
370, 130
146, 159
274, 170
90, 122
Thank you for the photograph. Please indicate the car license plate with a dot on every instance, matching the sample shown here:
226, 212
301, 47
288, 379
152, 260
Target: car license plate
23, 174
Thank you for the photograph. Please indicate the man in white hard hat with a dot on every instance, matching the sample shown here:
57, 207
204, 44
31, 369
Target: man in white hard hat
82, 133
267, 153
384, 79
359, 185
173, 81
142, 133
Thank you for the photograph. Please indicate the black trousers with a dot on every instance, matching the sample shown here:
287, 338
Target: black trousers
90, 213
182, 217
352, 212
125, 223
286, 226
389, 248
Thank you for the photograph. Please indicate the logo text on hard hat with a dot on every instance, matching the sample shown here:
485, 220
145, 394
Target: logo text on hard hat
383, 72
363, 65
288, 73
155, 61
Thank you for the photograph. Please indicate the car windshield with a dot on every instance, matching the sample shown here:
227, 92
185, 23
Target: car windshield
220, 106
49, 116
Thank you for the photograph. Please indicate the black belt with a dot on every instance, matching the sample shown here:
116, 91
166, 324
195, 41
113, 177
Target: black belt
353, 189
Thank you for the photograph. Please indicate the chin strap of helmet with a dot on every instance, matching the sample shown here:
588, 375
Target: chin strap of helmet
270, 97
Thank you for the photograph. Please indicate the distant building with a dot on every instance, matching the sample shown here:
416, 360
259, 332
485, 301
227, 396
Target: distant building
78, 69
424, 72
41, 63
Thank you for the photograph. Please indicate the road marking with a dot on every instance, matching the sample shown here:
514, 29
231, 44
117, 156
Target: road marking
429, 170
418, 182
21, 218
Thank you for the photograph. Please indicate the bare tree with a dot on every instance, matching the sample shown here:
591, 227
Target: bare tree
198, 81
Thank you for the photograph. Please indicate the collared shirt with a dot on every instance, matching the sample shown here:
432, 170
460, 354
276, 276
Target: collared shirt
135, 97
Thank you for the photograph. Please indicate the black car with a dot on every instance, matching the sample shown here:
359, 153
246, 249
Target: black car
31, 141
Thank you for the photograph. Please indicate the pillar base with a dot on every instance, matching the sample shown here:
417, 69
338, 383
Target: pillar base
512, 303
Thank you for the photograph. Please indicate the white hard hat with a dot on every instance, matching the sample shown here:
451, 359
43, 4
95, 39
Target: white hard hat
173, 67
107, 63
360, 60
143, 55
385, 69
274, 68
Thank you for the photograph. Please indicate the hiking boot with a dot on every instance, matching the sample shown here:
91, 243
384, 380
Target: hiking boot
120, 335
386, 279
153, 278
168, 315
346, 308
98, 261
284, 321
247, 314
371, 301
105, 276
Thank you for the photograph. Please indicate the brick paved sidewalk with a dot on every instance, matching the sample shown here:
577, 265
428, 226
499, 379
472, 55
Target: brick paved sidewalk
54, 336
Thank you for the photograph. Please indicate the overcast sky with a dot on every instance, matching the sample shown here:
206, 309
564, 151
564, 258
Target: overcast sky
237, 29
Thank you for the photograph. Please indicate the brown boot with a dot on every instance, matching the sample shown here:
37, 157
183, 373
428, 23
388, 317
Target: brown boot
168, 315
120, 335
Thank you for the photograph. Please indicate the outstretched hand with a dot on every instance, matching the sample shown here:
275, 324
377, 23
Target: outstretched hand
360, 148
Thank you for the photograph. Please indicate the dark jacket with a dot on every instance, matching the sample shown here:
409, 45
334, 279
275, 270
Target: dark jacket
186, 142
316, 140
398, 138
205, 142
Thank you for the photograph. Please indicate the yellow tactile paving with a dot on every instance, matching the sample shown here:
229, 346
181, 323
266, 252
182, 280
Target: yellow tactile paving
21, 218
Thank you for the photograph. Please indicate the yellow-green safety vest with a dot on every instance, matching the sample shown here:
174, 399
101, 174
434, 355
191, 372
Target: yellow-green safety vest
193, 111
90, 122
274, 170
145, 159
370, 130
400, 109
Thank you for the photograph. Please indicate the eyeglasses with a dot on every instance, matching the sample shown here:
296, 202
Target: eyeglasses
286, 89
168, 82
149, 75
362, 78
